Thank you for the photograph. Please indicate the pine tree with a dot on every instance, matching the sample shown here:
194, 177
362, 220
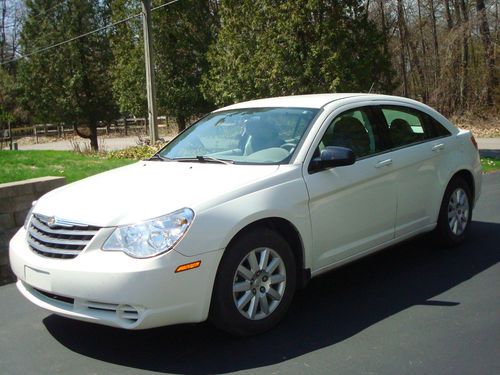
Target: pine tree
268, 47
182, 34
128, 71
7, 100
71, 83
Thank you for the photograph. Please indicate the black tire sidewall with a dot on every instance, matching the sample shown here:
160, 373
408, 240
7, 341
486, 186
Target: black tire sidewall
444, 232
224, 313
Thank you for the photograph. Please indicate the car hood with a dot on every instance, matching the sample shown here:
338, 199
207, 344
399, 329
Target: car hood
146, 190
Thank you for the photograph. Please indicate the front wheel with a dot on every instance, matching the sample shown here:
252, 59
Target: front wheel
255, 283
455, 214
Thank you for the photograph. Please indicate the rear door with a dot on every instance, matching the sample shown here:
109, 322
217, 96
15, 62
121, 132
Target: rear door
418, 148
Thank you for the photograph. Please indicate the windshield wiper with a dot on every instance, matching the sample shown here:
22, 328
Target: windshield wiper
205, 159
158, 157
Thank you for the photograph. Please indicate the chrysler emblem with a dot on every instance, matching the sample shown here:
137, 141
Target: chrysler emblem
51, 221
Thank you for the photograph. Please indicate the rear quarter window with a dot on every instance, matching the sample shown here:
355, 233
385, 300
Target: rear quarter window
436, 129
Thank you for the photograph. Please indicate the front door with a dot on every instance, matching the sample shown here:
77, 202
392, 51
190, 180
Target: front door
352, 208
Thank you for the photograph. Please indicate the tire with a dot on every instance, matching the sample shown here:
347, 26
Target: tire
454, 219
253, 282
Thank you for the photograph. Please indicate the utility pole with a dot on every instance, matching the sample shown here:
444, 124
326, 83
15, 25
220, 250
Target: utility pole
150, 73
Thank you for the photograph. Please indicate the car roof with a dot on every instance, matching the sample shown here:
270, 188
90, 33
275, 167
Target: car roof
313, 101
294, 101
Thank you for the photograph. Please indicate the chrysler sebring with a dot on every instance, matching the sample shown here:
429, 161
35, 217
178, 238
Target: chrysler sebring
244, 207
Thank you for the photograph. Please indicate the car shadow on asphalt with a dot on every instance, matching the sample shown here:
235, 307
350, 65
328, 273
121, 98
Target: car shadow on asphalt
332, 308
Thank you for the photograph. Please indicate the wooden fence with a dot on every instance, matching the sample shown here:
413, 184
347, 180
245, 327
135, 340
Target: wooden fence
120, 126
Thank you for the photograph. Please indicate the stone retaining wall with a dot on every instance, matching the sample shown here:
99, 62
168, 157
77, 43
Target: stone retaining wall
15, 202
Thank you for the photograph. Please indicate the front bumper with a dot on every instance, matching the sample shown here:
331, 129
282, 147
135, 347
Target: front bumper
114, 289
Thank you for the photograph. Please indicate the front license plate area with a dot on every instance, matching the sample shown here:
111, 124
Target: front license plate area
37, 278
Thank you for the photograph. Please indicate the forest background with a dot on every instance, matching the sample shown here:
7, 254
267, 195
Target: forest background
210, 53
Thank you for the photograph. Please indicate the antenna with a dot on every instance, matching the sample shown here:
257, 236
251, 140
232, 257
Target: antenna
371, 88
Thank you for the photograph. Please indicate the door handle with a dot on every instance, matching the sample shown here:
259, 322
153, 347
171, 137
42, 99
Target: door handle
383, 163
438, 147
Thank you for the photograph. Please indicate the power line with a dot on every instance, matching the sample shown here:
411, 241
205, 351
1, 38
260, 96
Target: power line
164, 5
44, 49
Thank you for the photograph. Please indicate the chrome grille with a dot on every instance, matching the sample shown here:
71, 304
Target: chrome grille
60, 239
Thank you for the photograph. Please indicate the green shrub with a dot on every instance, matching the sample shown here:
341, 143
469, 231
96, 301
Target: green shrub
136, 152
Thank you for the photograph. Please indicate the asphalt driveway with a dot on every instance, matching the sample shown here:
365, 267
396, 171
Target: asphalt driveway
413, 309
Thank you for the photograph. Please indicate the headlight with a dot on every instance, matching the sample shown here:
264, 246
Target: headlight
151, 237
28, 217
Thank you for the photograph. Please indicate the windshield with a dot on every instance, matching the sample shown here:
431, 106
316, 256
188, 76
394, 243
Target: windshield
254, 136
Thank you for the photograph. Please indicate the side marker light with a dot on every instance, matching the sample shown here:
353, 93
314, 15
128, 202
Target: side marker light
188, 266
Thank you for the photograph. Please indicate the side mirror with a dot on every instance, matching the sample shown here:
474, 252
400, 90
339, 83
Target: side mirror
331, 157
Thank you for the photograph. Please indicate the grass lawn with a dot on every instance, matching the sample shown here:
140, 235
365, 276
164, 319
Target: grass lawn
490, 164
21, 165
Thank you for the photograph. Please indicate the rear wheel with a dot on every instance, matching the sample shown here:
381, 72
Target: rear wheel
455, 214
255, 283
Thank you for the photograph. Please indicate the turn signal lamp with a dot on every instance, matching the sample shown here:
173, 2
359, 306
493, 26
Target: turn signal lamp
188, 266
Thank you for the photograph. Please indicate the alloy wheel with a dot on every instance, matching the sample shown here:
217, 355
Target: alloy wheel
259, 283
458, 211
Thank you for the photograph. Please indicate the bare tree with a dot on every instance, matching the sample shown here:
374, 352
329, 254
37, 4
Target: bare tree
402, 35
489, 53
449, 19
419, 85
462, 22
3, 26
10, 26
435, 37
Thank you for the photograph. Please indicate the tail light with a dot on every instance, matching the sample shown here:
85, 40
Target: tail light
474, 142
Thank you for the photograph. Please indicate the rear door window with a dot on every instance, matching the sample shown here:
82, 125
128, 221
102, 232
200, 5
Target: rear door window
405, 125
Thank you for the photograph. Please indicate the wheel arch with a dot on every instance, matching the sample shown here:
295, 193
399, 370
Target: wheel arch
290, 234
469, 179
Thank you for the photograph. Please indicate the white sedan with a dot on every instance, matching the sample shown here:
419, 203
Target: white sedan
243, 208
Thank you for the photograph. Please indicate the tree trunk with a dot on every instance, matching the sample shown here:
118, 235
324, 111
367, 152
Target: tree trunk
424, 52
382, 15
463, 58
94, 145
383, 22
412, 54
489, 55
465, 53
402, 47
421, 29
449, 20
435, 38
3, 40
181, 123
496, 19
91, 135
